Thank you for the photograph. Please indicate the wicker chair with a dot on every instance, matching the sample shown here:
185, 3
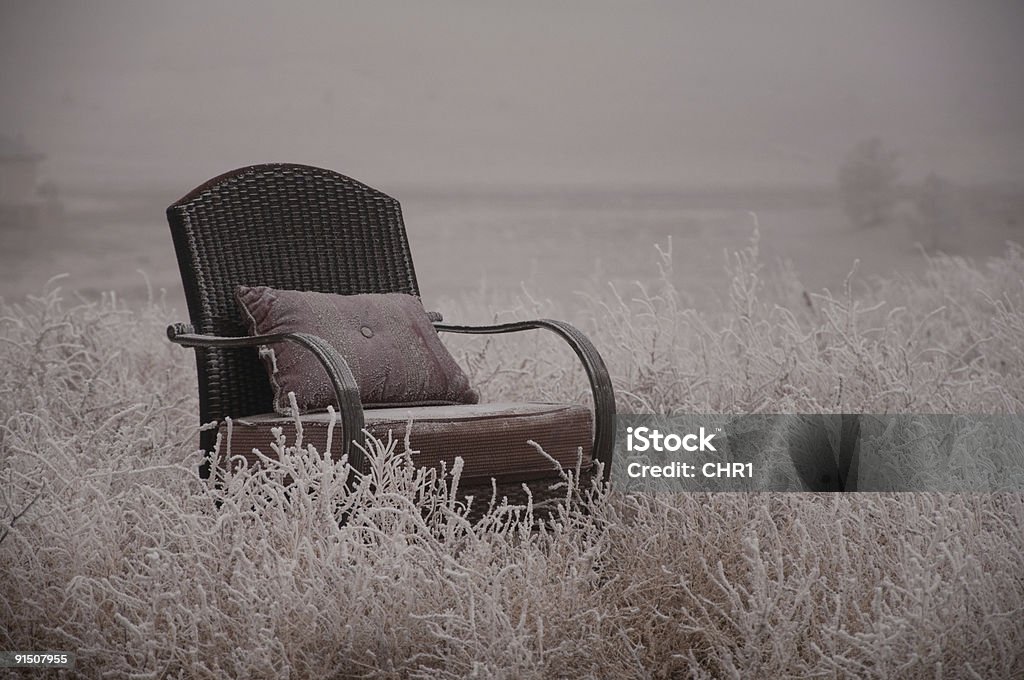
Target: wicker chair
303, 228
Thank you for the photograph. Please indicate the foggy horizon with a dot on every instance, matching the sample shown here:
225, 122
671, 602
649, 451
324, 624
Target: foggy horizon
457, 95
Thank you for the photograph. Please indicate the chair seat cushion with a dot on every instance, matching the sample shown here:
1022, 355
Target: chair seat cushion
491, 439
387, 339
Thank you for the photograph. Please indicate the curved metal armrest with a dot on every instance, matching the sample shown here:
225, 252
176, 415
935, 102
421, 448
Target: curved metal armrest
600, 382
345, 387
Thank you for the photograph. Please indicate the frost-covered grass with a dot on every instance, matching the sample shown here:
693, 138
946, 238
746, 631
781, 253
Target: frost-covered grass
113, 548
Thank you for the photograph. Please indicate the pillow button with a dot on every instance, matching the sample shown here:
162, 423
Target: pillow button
366, 331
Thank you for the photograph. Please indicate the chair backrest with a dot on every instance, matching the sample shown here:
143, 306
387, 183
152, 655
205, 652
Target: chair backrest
286, 226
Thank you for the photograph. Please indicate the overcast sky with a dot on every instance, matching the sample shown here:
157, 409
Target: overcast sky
521, 93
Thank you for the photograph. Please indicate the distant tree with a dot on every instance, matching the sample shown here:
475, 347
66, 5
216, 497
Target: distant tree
867, 183
938, 213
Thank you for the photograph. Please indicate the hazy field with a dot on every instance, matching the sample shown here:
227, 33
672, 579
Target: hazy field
113, 548
558, 242
668, 177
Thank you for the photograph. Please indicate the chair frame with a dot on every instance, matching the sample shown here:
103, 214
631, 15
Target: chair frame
280, 199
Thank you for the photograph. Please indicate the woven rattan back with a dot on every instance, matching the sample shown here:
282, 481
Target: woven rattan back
285, 226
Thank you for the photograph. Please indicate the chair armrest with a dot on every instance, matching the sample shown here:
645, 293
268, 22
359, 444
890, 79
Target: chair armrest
345, 387
597, 373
